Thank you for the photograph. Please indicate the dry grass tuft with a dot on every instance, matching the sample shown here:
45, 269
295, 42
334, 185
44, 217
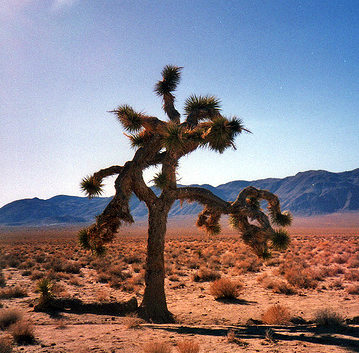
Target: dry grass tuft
13, 292
157, 347
186, 346
276, 315
23, 332
224, 288
232, 338
132, 321
206, 275
328, 318
5, 344
353, 289
9, 317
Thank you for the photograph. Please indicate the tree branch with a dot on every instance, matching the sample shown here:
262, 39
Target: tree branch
203, 196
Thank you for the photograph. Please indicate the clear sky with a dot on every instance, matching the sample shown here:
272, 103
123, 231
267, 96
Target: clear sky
288, 69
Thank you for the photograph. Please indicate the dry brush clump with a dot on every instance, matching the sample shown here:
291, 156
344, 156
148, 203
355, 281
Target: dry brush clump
327, 317
206, 275
188, 346
23, 332
157, 347
224, 288
6, 344
277, 285
9, 317
277, 315
13, 292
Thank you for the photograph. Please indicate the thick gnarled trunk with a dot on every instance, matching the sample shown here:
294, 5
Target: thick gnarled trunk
154, 306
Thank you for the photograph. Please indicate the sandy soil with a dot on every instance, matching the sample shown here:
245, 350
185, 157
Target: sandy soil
199, 317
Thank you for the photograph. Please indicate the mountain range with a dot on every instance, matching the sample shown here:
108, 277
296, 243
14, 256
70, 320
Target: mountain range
307, 193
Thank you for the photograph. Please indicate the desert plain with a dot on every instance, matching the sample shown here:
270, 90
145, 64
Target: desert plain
305, 299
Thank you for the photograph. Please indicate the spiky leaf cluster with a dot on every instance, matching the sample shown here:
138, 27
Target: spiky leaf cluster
92, 186
219, 135
88, 244
161, 180
280, 240
171, 77
140, 139
209, 221
129, 118
209, 104
174, 137
283, 219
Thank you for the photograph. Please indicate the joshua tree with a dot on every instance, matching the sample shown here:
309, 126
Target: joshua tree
163, 143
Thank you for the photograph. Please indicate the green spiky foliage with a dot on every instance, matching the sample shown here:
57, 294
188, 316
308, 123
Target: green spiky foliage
160, 180
129, 118
220, 133
171, 77
44, 287
174, 138
283, 219
280, 240
92, 186
209, 104
87, 243
139, 140
83, 239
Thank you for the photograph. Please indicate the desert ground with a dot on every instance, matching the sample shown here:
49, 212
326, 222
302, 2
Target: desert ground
305, 299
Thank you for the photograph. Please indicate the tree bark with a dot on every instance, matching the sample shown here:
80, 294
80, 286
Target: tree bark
154, 306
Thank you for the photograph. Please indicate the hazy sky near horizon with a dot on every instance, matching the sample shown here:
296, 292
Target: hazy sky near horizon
288, 69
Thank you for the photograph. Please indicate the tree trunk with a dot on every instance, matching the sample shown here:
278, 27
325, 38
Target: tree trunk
154, 306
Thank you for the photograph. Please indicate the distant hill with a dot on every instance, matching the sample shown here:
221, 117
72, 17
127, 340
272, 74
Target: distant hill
308, 193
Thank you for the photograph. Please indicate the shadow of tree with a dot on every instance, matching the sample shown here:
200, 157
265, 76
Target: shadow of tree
342, 336
55, 306
235, 301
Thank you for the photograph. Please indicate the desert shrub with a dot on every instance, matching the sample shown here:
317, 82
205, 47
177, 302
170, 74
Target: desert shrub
328, 318
103, 277
301, 277
278, 286
74, 281
133, 258
276, 315
13, 292
102, 295
250, 264
27, 264
337, 284
23, 332
206, 275
71, 267
36, 274
341, 259
157, 347
44, 287
353, 289
224, 288
5, 344
8, 317
352, 275
132, 321
187, 346
228, 260
233, 338
173, 278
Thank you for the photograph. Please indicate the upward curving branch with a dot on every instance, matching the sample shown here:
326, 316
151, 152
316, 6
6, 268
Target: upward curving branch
245, 215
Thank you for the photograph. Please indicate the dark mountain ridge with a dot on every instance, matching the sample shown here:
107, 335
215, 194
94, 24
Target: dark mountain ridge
307, 193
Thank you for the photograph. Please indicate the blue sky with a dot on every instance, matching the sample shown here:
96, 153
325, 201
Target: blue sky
289, 69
